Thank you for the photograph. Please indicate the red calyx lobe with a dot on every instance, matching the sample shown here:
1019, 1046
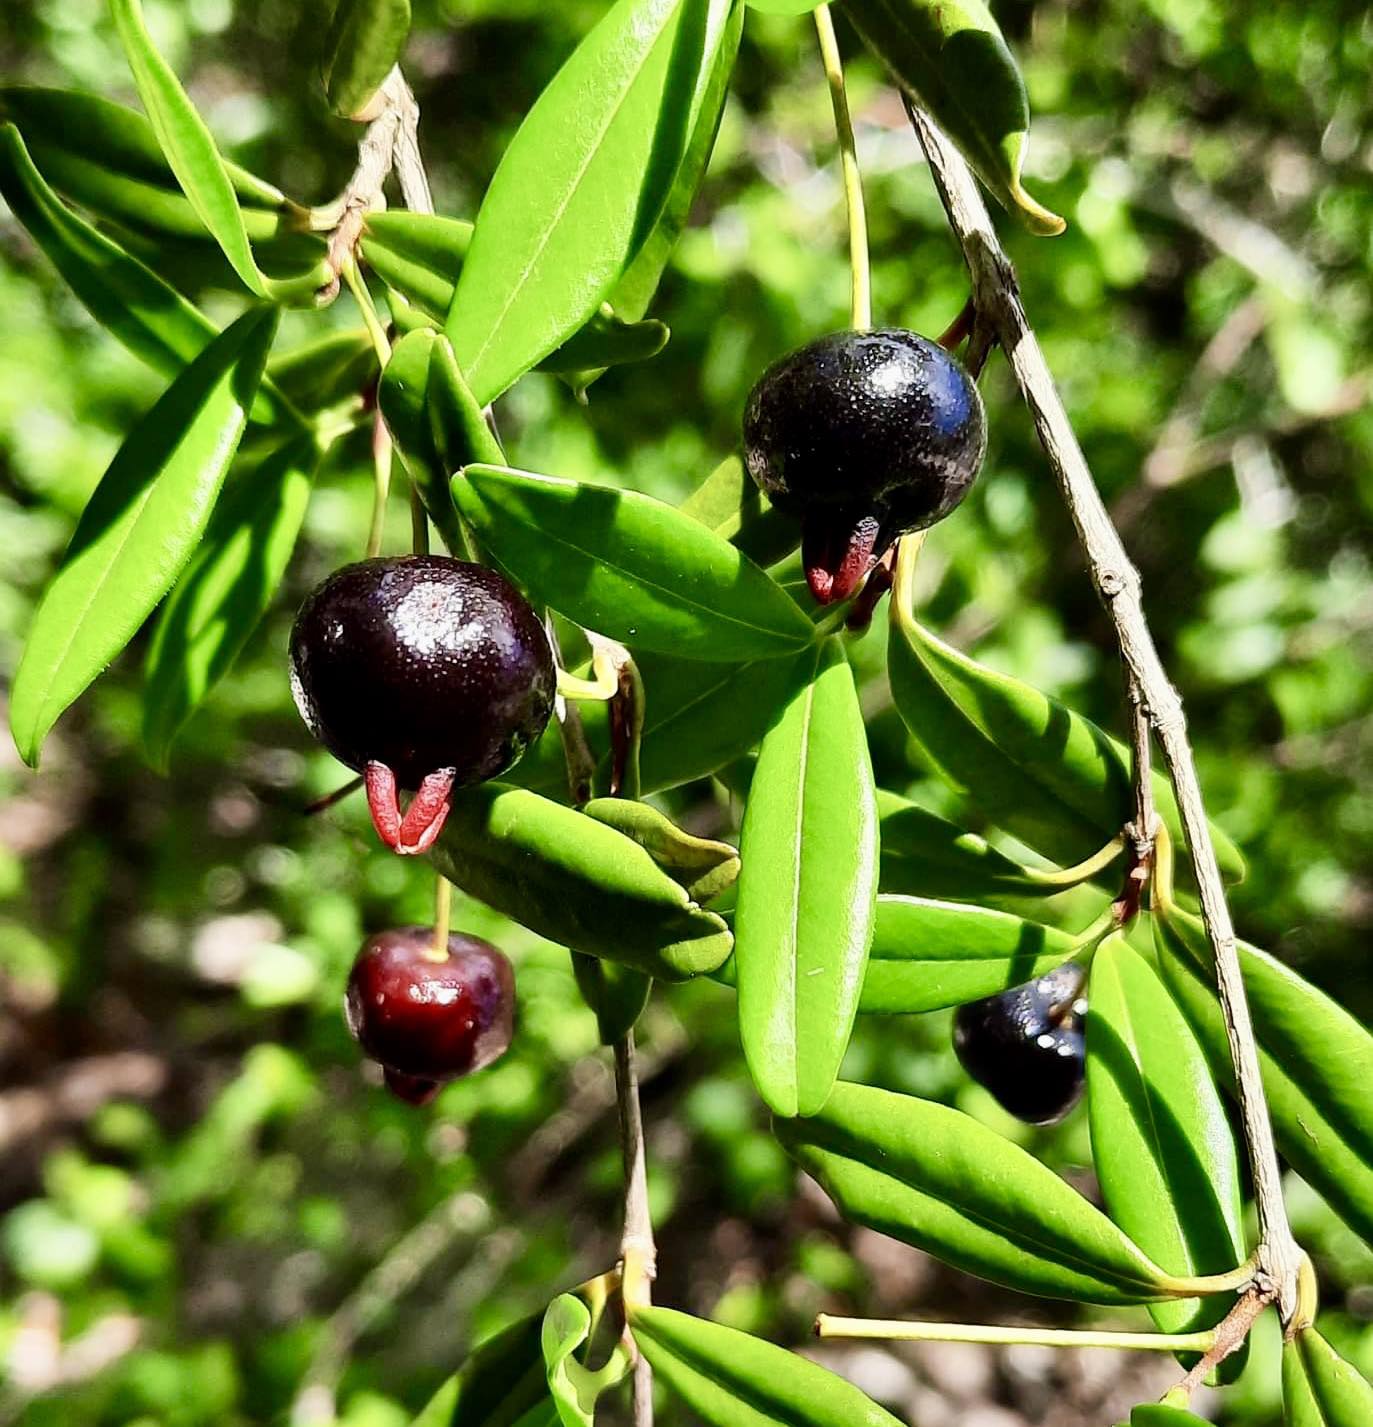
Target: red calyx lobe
423, 821
426, 1020
838, 548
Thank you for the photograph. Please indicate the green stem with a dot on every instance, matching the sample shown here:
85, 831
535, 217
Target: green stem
443, 915
381, 473
828, 1326
860, 301
1083, 871
367, 307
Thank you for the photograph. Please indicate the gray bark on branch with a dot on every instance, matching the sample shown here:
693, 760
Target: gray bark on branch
996, 296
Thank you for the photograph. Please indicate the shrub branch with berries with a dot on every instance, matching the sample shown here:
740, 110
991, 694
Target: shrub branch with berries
509, 705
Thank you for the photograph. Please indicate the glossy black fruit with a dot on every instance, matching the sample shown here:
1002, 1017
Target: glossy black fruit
424, 673
864, 436
429, 1019
1026, 1045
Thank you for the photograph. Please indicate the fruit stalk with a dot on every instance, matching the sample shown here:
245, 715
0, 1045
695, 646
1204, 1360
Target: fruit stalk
997, 297
860, 299
827, 1325
638, 1252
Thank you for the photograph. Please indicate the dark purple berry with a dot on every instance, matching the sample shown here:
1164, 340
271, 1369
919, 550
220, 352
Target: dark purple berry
1026, 1045
423, 673
429, 1018
865, 436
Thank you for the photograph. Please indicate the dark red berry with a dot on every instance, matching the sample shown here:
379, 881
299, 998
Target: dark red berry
865, 436
423, 673
428, 1020
1026, 1045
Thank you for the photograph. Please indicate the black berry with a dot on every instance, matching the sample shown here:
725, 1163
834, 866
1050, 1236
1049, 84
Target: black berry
864, 436
429, 1018
1026, 1045
423, 673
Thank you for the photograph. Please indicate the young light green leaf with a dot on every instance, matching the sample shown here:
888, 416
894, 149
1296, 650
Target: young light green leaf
141, 526
729, 502
732, 1379
503, 1380
224, 591
598, 152
807, 890
577, 882
575, 1388
1314, 1057
365, 40
633, 293
951, 58
187, 144
1043, 772
630, 566
1320, 1389
702, 865
1161, 1142
936, 1178
1163, 1414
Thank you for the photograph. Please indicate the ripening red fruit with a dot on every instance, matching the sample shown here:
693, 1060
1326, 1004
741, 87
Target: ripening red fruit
428, 1018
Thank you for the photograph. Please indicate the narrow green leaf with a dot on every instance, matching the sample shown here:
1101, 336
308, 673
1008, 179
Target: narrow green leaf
782, 7
703, 866
581, 185
120, 140
502, 1381
365, 40
630, 566
147, 207
928, 954
151, 319
1320, 1389
1043, 772
224, 591
634, 291
923, 855
606, 341
577, 882
419, 254
189, 148
731, 1379
141, 526
1314, 1057
951, 58
807, 890
412, 404
729, 502
325, 370
936, 1178
1162, 1145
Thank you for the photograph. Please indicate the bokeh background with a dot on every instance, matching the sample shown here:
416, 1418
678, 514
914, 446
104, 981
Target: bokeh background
209, 1211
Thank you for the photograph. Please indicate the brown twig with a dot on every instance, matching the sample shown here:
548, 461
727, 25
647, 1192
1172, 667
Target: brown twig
1231, 1332
996, 293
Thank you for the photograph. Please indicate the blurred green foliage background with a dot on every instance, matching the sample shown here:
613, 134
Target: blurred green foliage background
211, 1212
